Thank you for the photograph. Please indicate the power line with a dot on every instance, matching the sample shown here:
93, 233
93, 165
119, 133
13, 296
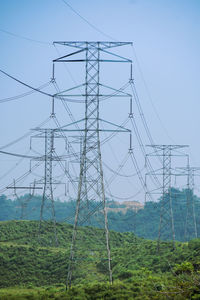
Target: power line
135, 164
15, 141
24, 94
25, 84
149, 95
17, 155
23, 37
22, 177
148, 164
89, 23
119, 174
141, 113
125, 198
23, 136
13, 167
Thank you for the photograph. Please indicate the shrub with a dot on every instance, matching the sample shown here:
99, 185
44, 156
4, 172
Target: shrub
185, 267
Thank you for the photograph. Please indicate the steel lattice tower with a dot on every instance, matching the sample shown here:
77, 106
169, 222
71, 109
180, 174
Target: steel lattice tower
190, 220
190, 230
48, 191
166, 214
49, 135
91, 179
166, 225
24, 202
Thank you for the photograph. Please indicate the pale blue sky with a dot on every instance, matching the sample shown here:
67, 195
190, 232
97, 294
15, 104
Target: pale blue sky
165, 34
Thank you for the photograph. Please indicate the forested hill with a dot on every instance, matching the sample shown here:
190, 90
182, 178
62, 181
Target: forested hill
143, 222
139, 271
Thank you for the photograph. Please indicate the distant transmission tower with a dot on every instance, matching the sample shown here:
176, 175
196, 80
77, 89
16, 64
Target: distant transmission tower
166, 227
91, 190
23, 201
190, 230
47, 181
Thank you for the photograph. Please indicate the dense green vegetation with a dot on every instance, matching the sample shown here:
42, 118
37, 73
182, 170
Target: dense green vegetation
143, 223
33, 268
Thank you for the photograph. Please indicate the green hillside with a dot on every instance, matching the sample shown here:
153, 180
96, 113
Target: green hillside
33, 268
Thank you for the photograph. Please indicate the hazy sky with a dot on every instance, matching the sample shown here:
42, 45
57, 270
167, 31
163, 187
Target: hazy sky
165, 35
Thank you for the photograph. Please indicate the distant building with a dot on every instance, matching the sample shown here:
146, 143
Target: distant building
123, 206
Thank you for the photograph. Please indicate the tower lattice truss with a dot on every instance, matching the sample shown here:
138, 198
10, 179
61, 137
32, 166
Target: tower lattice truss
91, 202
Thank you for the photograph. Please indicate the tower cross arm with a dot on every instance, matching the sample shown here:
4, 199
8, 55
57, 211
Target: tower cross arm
100, 45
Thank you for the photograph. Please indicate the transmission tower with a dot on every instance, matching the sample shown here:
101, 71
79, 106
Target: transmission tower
166, 226
190, 227
91, 188
47, 181
23, 201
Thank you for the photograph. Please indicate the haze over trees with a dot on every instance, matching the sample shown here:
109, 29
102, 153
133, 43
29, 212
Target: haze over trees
143, 222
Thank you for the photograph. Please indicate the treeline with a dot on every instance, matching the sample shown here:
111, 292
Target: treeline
144, 222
